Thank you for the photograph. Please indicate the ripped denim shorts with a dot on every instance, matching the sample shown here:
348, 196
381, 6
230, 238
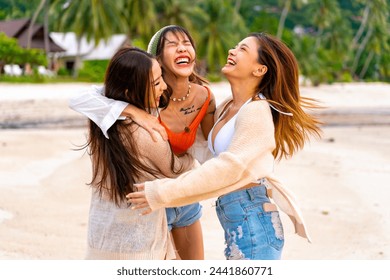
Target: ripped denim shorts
252, 231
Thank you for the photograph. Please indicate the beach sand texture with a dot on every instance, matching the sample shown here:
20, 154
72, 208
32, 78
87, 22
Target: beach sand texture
341, 181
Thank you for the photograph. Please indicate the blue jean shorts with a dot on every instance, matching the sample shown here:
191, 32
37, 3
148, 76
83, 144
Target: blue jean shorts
250, 232
183, 216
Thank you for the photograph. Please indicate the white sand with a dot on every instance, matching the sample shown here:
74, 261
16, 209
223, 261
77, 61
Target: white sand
341, 181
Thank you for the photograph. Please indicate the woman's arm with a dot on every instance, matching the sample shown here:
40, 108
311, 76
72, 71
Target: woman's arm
159, 155
105, 112
248, 158
98, 108
147, 121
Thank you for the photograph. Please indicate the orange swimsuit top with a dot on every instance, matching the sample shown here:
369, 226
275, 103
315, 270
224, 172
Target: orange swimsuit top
182, 141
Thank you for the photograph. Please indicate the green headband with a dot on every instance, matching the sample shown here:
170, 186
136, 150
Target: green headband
152, 47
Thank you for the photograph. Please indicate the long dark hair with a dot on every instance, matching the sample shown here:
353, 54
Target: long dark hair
116, 161
280, 85
194, 77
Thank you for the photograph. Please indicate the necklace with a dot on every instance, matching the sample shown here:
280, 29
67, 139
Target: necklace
174, 99
186, 128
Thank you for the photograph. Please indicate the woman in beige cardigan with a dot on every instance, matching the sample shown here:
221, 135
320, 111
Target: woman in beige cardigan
263, 122
130, 155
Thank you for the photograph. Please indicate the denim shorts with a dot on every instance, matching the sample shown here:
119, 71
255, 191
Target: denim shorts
250, 232
184, 215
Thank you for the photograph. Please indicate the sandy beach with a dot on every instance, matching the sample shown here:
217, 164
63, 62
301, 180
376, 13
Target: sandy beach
341, 181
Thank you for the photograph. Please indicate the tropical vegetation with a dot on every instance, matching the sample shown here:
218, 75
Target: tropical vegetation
334, 40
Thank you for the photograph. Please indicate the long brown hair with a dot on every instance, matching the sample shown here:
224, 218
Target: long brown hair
280, 85
194, 77
116, 161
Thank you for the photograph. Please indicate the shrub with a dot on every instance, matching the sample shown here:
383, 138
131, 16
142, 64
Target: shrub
93, 70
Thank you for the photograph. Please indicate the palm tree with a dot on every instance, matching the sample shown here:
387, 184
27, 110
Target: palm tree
358, 34
375, 40
287, 5
220, 27
94, 20
362, 26
44, 4
176, 12
325, 14
32, 22
140, 17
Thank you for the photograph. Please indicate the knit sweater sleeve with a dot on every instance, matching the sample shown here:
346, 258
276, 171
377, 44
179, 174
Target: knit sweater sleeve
248, 158
158, 155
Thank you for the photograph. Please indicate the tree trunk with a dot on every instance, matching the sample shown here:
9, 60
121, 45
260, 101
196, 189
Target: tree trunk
77, 61
237, 5
319, 37
366, 64
32, 22
360, 50
46, 33
361, 27
282, 19
358, 34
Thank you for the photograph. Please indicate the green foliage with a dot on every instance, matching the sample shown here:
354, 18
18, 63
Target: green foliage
140, 43
28, 79
345, 77
221, 28
39, 79
93, 70
264, 22
34, 57
64, 72
12, 53
383, 67
13, 9
340, 40
9, 49
95, 20
214, 77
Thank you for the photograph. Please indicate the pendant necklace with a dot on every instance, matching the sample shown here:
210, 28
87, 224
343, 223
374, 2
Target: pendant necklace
186, 128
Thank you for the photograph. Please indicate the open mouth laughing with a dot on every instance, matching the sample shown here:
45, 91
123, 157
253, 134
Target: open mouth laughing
230, 61
182, 60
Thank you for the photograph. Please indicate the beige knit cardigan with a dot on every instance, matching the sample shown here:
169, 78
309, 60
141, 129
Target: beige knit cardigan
248, 159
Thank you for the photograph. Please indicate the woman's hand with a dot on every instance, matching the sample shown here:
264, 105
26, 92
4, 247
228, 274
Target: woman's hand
147, 121
138, 199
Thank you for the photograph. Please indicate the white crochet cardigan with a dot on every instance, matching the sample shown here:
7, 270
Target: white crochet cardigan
121, 233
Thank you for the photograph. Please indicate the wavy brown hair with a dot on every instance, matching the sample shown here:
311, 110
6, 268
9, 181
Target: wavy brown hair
194, 77
116, 161
280, 85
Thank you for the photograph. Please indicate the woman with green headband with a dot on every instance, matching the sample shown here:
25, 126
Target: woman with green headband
185, 120
114, 230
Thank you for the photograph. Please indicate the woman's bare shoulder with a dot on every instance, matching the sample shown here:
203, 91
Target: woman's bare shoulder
200, 92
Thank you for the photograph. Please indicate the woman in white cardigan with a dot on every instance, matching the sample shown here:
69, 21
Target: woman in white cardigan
263, 122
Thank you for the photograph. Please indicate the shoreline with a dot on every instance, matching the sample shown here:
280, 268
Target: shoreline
46, 106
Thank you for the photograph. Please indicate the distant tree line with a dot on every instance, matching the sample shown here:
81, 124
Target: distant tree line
334, 40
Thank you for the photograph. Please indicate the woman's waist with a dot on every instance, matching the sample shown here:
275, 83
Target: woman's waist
260, 183
249, 191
